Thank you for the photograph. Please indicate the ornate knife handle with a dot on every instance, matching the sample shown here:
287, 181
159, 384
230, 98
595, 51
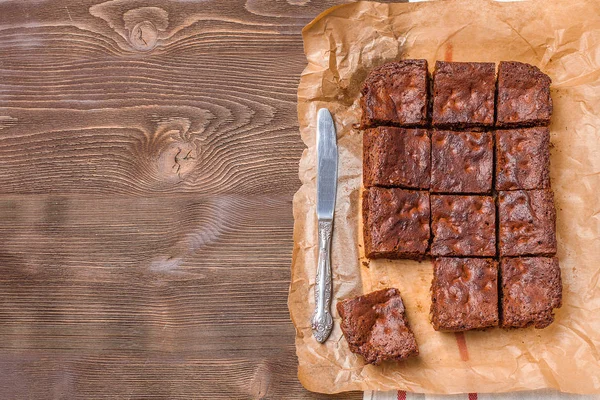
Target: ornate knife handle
322, 322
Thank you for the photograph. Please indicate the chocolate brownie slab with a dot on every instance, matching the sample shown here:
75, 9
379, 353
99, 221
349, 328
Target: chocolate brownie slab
523, 159
396, 93
464, 294
531, 290
527, 221
395, 223
463, 94
523, 95
396, 157
463, 225
461, 162
375, 326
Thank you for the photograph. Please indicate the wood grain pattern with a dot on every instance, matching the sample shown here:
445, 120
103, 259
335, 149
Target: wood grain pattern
148, 157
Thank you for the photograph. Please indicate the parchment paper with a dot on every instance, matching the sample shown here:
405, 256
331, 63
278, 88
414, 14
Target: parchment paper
342, 45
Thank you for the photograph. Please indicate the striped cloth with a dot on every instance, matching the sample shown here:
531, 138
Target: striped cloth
537, 395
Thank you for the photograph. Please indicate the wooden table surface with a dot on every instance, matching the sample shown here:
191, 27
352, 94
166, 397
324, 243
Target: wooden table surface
148, 157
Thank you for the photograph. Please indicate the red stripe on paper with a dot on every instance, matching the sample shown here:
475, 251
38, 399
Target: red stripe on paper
448, 53
461, 342
402, 395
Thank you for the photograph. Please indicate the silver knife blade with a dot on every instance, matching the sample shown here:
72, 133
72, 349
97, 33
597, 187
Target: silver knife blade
327, 156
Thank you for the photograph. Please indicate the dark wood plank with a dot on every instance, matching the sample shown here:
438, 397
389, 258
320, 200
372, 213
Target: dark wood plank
148, 156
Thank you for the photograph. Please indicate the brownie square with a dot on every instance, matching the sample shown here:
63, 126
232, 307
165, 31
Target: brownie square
464, 294
523, 159
397, 157
396, 94
395, 223
463, 94
463, 225
523, 95
531, 289
375, 326
527, 221
461, 162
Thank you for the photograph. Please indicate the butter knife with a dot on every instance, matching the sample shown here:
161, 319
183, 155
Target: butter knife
327, 164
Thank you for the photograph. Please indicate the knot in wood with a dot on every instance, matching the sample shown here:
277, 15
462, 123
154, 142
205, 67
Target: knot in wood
143, 36
177, 160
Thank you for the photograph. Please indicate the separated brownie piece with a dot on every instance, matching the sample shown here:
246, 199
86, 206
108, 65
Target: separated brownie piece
531, 289
523, 95
396, 157
461, 162
523, 159
464, 294
463, 94
375, 327
396, 94
395, 223
527, 221
463, 225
